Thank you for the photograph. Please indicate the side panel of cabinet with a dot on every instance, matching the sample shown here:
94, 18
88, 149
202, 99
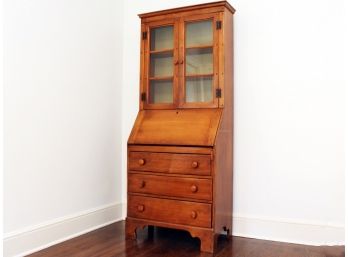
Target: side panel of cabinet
223, 165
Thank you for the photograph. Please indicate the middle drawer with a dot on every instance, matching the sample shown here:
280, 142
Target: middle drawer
195, 164
194, 188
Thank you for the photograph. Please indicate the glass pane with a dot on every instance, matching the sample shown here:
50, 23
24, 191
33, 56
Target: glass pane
199, 61
161, 91
161, 38
199, 33
161, 64
199, 89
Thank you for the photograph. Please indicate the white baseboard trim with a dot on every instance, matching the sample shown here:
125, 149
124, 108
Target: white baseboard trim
290, 231
35, 238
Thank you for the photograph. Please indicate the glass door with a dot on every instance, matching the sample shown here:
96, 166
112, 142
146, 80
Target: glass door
160, 53
199, 53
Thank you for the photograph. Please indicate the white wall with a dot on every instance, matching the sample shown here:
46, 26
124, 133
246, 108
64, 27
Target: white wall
63, 89
289, 108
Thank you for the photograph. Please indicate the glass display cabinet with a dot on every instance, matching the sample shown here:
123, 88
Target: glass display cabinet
180, 147
181, 62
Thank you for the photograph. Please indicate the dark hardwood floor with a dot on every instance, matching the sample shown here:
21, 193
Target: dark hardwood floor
109, 242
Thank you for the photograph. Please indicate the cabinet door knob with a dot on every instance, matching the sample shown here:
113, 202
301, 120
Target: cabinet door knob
194, 164
141, 162
142, 184
194, 188
193, 215
181, 62
176, 62
141, 208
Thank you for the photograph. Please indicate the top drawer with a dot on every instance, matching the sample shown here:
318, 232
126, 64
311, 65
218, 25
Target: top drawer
195, 164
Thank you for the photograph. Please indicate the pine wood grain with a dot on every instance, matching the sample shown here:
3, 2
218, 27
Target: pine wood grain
184, 124
170, 149
190, 188
223, 186
191, 127
169, 211
196, 164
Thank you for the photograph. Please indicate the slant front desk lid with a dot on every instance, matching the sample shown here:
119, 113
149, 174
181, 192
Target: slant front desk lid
190, 127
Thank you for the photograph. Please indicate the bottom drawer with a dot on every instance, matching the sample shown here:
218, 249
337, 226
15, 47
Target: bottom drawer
171, 211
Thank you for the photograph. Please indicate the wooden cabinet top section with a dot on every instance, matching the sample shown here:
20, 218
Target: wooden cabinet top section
189, 127
211, 7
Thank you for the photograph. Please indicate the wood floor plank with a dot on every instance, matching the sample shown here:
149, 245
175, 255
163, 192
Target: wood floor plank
109, 241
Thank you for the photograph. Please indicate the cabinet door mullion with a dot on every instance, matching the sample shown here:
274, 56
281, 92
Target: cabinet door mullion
181, 66
177, 58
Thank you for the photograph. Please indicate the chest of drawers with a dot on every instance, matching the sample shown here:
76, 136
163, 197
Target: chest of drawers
179, 164
178, 186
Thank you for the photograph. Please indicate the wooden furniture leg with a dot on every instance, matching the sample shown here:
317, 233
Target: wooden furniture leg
131, 230
207, 238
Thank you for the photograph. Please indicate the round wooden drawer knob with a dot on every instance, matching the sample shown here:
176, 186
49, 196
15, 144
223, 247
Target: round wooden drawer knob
141, 162
141, 208
194, 188
193, 215
142, 184
194, 164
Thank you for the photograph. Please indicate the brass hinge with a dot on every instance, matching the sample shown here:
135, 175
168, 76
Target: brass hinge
218, 93
144, 35
143, 97
218, 24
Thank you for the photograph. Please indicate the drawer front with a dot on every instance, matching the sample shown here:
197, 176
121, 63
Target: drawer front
171, 211
195, 164
193, 188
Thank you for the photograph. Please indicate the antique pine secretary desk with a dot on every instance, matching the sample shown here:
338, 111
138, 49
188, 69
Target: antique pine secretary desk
180, 147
